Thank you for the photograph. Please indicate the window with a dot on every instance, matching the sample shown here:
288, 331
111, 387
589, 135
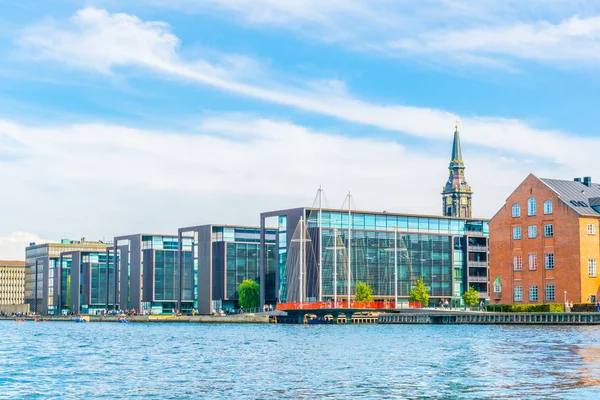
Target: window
547, 207
549, 262
531, 231
549, 292
531, 206
592, 267
518, 293
516, 210
497, 288
533, 262
533, 293
591, 229
548, 230
517, 232
517, 263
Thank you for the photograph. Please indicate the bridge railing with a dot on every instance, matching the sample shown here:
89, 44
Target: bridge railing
314, 305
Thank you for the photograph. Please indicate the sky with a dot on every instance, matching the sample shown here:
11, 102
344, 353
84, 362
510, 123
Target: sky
120, 117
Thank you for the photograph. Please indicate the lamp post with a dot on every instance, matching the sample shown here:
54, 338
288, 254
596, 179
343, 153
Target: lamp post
565, 297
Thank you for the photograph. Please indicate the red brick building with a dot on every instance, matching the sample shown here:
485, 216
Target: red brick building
545, 241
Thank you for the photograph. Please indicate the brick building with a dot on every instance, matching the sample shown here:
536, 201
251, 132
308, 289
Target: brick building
545, 243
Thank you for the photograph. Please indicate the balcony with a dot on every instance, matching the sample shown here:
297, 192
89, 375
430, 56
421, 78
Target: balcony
482, 279
477, 247
472, 263
484, 295
497, 295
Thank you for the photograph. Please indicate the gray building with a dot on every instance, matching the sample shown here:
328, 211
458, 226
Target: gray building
223, 256
43, 267
321, 256
149, 275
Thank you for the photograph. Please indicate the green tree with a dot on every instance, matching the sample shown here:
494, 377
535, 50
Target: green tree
471, 297
420, 293
249, 294
363, 292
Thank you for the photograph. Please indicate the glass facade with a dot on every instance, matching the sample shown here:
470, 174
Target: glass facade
440, 250
166, 276
236, 252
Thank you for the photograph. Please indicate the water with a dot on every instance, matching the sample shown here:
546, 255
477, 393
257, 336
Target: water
107, 360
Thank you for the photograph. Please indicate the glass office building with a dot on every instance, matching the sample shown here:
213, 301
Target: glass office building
43, 272
226, 255
450, 254
84, 282
148, 272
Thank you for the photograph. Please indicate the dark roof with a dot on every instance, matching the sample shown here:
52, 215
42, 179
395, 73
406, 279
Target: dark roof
456, 151
576, 195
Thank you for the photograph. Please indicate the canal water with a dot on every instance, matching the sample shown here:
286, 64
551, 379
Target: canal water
158, 361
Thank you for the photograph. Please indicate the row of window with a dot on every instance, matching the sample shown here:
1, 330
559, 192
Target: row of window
548, 231
549, 263
531, 208
532, 231
533, 293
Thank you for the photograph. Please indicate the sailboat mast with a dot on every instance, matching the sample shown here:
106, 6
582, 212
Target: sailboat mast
334, 267
301, 258
320, 243
349, 243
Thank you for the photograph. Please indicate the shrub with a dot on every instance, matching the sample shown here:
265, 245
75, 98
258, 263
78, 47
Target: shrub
584, 307
523, 308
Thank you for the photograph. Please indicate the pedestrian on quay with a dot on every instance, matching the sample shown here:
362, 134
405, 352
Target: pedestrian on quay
598, 306
571, 307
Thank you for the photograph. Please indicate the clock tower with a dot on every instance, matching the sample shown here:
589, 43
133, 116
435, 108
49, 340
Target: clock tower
456, 194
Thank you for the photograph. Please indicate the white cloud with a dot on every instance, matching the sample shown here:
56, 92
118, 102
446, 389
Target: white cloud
121, 40
99, 180
486, 33
12, 245
572, 40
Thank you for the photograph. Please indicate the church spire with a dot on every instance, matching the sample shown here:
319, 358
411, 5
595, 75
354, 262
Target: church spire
456, 150
456, 194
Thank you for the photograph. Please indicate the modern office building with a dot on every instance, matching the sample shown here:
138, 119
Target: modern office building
323, 253
545, 244
84, 282
12, 282
224, 256
42, 262
148, 273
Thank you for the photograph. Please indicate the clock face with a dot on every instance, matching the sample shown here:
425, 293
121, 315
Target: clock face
448, 200
463, 200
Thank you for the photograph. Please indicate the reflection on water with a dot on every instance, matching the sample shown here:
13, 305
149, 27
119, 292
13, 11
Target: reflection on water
278, 361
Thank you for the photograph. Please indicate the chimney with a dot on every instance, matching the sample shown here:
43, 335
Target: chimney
577, 179
587, 180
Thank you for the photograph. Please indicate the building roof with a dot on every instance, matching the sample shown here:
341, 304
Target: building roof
576, 195
11, 263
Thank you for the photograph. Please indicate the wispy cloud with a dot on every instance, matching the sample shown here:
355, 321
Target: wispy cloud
97, 40
572, 40
483, 33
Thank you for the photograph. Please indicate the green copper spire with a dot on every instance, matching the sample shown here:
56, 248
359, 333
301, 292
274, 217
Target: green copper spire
456, 151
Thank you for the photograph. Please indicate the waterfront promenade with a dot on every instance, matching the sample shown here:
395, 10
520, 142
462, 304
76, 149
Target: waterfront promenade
353, 316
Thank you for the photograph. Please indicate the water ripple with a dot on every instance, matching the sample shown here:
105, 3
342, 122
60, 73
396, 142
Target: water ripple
157, 361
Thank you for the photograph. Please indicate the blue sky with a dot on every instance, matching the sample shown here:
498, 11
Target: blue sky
118, 117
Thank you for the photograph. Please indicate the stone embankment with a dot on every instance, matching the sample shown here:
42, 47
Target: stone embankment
243, 318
